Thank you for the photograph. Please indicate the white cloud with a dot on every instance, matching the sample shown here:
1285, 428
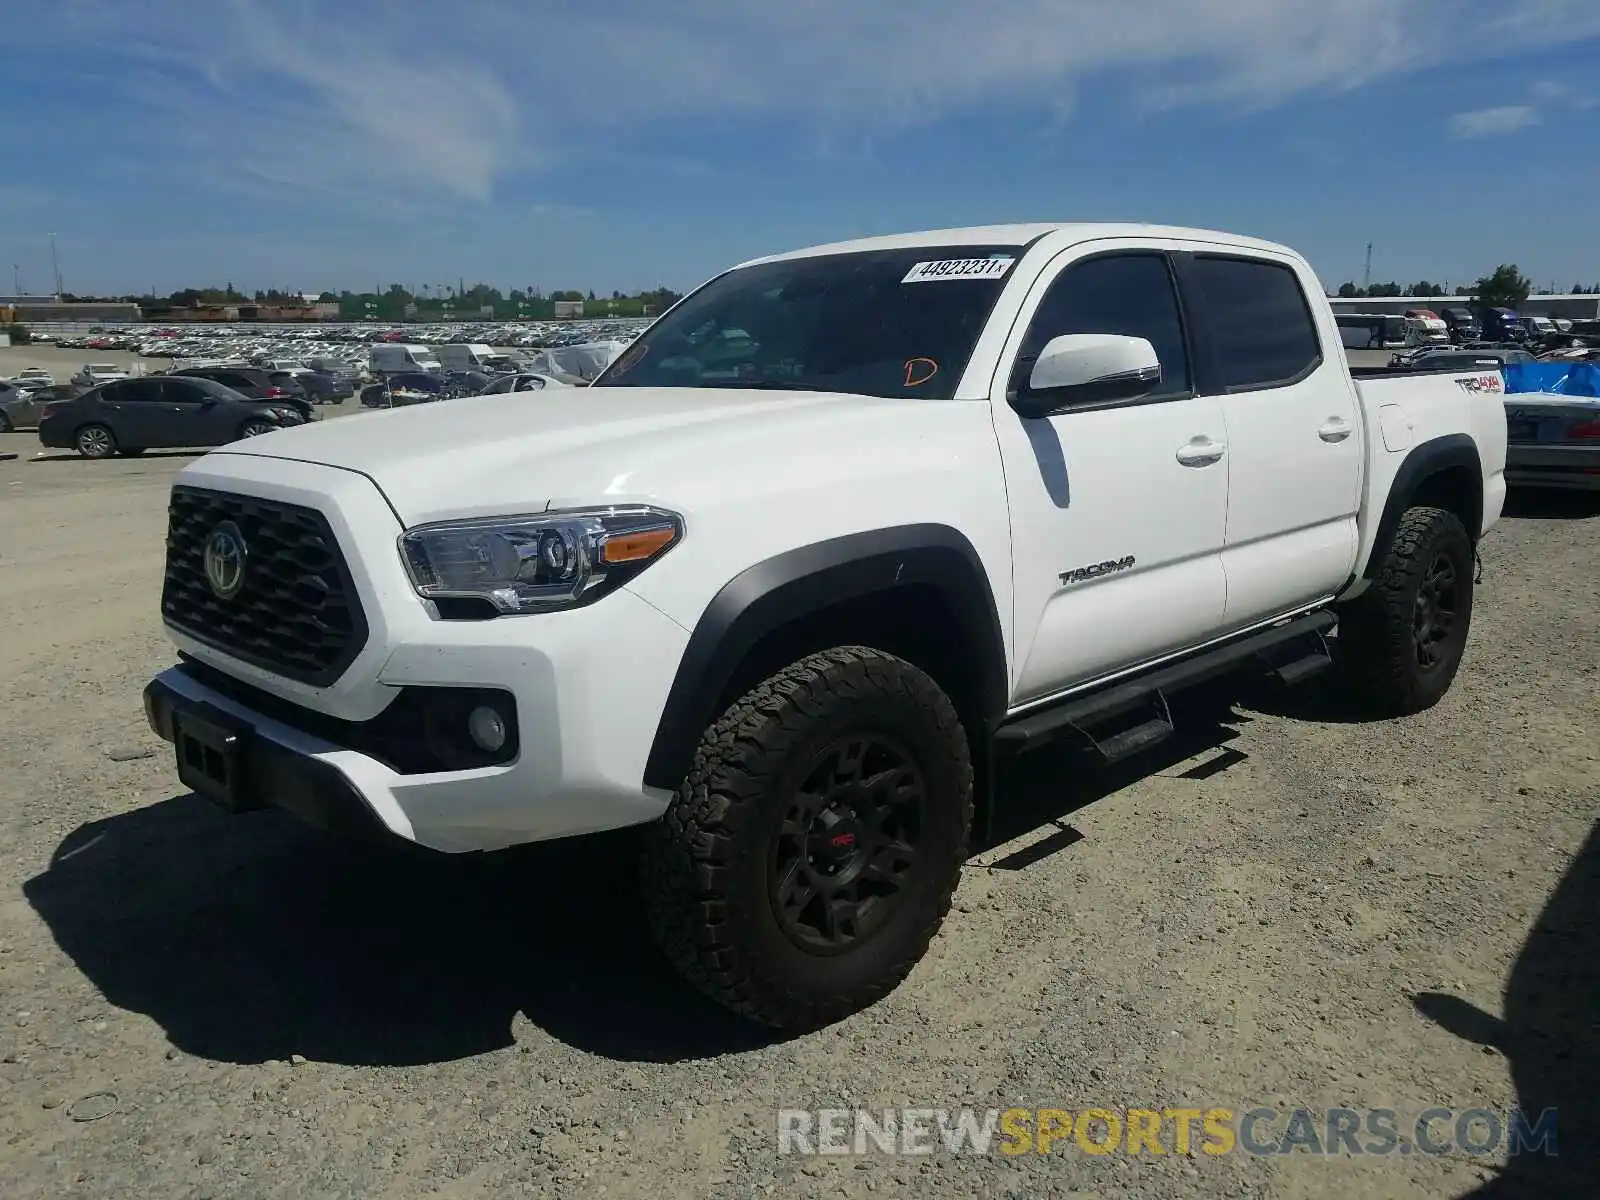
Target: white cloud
449, 100
1493, 122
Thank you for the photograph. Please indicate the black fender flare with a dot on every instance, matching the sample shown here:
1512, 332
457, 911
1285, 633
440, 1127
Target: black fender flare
1421, 462
787, 587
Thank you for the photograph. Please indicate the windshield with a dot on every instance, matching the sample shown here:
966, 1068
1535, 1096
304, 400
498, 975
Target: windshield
875, 322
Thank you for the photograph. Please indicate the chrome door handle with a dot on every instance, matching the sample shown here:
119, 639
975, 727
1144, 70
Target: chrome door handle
1336, 430
1201, 452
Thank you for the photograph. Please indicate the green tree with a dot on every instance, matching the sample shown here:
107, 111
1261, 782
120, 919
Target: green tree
1507, 287
1348, 290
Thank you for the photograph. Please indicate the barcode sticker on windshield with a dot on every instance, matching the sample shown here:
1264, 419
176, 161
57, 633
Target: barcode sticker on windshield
992, 267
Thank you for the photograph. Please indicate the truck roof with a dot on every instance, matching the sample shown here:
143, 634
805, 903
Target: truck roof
1022, 235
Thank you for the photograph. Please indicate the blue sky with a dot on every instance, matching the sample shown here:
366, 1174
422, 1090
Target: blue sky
623, 144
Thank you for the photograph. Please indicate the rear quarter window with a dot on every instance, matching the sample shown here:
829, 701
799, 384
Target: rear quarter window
1258, 321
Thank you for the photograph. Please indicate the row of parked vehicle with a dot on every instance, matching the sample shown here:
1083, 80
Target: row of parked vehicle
1457, 326
210, 406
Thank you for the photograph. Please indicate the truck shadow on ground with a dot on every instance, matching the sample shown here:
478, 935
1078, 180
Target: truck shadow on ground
1550, 504
250, 938
1550, 1034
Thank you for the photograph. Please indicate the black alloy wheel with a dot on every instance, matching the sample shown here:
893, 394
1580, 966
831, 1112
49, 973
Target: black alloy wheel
1435, 611
847, 844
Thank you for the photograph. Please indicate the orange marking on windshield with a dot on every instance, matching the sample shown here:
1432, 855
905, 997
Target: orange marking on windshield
920, 370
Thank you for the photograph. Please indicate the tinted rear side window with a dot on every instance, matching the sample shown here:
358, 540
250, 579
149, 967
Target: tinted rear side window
1260, 325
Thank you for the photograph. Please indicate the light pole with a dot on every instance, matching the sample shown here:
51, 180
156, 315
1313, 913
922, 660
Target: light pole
55, 265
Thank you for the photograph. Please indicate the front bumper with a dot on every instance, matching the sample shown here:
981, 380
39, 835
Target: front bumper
588, 688
1576, 467
262, 770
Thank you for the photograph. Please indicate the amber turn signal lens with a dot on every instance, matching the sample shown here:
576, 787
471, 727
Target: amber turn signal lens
631, 547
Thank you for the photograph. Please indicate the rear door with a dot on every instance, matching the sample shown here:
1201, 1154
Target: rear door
1118, 510
131, 408
1294, 434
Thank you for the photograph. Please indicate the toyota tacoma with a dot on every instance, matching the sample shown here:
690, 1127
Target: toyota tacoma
840, 531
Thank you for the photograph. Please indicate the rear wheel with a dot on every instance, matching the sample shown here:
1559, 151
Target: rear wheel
5, 423
811, 854
96, 441
1402, 639
257, 428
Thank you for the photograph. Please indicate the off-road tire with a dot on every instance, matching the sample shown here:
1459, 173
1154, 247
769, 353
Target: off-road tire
707, 875
1378, 630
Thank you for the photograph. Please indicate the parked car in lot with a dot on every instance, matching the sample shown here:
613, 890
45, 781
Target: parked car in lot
1554, 441
129, 416
249, 381
94, 374
1463, 358
19, 407
405, 388
315, 386
784, 599
36, 377
456, 356
522, 381
396, 358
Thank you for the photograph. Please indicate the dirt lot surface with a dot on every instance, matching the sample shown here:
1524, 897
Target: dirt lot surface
1293, 907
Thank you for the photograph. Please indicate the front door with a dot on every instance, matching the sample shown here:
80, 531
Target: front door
1294, 434
195, 415
1118, 510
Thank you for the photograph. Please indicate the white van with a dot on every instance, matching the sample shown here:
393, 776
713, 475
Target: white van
460, 356
389, 358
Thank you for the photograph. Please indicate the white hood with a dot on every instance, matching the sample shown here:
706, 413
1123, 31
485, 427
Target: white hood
528, 451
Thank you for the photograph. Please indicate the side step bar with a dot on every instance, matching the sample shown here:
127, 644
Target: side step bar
1131, 716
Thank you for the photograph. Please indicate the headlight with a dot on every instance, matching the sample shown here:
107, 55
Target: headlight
537, 563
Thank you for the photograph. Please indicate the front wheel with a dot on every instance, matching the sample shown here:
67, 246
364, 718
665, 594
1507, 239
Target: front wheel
811, 854
5, 423
1402, 639
96, 441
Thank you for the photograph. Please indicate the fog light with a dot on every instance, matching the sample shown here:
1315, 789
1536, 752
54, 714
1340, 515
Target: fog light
488, 729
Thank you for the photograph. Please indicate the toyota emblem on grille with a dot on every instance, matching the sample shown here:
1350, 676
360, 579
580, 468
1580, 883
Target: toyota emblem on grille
225, 555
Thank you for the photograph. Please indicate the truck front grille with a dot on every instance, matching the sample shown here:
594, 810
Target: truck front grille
295, 611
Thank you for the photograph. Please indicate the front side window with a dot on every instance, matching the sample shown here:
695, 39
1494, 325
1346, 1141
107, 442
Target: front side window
184, 391
1130, 294
874, 322
1260, 325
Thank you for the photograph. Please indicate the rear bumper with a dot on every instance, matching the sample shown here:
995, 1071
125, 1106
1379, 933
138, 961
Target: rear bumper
1576, 467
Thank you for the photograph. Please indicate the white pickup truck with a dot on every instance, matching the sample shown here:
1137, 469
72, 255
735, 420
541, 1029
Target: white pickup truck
840, 530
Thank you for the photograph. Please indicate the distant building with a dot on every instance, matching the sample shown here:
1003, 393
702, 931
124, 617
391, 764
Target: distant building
45, 309
567, 308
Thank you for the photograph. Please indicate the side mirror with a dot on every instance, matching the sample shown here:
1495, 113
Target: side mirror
1086, 368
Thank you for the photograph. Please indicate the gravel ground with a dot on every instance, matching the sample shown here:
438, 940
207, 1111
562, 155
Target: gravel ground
1293, 907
